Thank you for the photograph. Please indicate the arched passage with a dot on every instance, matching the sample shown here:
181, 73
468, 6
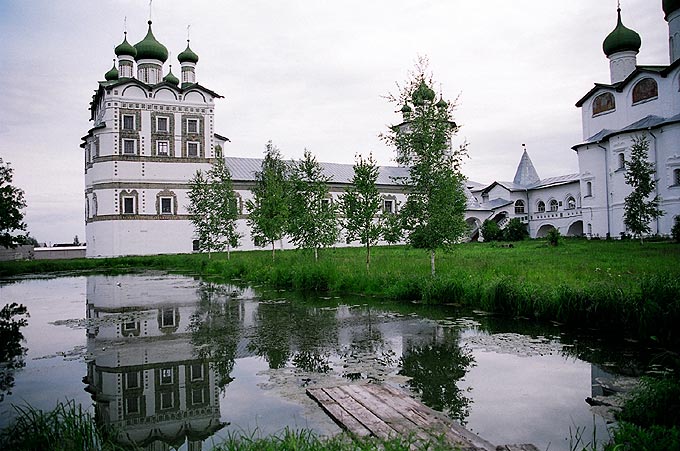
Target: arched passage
575, 229
543, 230
473, 227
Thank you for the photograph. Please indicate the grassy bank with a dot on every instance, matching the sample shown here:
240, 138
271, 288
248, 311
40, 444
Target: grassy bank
604, 284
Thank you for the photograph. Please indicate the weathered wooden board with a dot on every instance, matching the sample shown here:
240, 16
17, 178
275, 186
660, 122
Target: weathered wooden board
385, 412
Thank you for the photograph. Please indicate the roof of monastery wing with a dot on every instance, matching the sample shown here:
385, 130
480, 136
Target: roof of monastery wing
526, 173
552, 181
490, 205
645, 123
244, 169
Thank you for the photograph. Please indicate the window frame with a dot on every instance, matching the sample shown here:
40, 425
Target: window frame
137, 380
134, 146
124, 201
167, 124
164, 312
170, 202
520, 208
540, 206
554, 205
167, 396
571, 203
166, 144
166, 376
388, 206
137, 404
195, 121
125, 117
198, 149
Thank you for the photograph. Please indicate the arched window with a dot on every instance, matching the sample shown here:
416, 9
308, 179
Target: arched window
553, 205
676, 177
541, 206
519, 207
645, 89
603, 103
622, 160
571, 203
589, 189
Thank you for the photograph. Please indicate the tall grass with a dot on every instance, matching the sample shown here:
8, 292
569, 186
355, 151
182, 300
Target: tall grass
67, 427
605, 284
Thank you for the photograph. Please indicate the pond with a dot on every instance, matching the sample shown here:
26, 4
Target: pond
186, 362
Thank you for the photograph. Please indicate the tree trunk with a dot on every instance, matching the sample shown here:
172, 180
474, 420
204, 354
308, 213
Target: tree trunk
316, 254
228, 252
368, 256
273, 249
432, 261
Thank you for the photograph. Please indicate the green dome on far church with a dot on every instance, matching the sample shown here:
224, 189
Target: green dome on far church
670, 6
150, 48
187, 56
125, 48
621, 39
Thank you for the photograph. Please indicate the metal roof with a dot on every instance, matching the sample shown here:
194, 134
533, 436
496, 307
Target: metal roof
646, 123
244, 169
560, 180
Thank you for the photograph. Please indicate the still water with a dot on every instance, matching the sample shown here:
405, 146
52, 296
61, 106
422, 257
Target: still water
178, 360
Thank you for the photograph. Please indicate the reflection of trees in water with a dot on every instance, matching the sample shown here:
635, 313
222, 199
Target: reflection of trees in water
12, 319
367, 352
434, 369
216, 329
289, 331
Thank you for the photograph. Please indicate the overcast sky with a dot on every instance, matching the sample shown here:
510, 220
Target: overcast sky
312, 74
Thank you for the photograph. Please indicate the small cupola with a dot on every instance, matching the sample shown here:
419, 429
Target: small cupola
170, 78
187, 60
112, 74
126, 58
621, 47
422, 94
671, 9
150, 57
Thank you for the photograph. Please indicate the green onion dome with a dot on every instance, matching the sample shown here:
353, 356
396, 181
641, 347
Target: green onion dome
621, 39
170, 78
187, 56
112, 74
670, 6
125, 48
422, 94
406, 109
442, 103
150, 48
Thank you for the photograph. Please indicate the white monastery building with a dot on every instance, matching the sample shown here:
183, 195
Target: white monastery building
151, 132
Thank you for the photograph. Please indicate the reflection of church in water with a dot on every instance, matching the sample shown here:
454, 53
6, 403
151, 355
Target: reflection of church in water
144, 375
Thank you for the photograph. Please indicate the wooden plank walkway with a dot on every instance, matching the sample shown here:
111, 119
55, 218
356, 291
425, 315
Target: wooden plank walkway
384, 412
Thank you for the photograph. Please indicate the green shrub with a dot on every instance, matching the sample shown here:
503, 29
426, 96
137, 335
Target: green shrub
553, 237
675, 231
491, 231
515, 230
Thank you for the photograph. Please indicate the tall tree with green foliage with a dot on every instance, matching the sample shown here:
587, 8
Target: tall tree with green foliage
11, 203
268, 209
392, 225
361, 203
435, 205
213, 209
313, 221
639, 209
226, 208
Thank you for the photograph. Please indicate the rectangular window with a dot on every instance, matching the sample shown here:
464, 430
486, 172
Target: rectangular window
132, 405
132, 380
192, 149
167, 400
162, 124
196, 372
166, 376
192, 125
197, 396
129, 146
166, 205
128, 122
128, 205
388, 206
325, 204
167, 317
163, 147
130, 326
